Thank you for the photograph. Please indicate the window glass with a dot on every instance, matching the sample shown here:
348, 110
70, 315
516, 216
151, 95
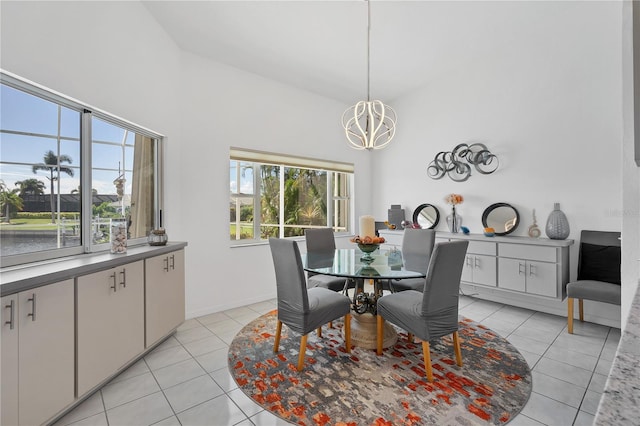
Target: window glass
40, 169
123, 171
41, 163
290, 200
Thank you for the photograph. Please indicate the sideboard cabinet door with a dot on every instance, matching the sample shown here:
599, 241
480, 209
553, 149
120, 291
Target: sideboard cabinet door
9, 361
110, 322
164, 289
37, 353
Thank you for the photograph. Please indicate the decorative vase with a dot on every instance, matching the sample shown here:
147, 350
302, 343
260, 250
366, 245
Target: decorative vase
454, 220
557, 224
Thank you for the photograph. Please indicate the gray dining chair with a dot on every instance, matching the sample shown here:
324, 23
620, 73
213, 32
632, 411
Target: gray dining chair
417, 246
303, 310
599, 261
321, 240
434, 312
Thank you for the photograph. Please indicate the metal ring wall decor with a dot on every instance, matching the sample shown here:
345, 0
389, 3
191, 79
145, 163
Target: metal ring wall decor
457, 163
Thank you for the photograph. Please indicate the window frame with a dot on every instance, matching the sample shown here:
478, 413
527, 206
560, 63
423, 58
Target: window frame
87, 112
283, 161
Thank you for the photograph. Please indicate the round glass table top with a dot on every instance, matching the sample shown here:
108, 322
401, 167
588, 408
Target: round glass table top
349, 263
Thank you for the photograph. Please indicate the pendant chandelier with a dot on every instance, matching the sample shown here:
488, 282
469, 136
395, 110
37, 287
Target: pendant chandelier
369, 124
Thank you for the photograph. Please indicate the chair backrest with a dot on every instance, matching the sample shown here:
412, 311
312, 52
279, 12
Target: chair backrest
290, 280
442, 287
417, 246
600, 256
320, 240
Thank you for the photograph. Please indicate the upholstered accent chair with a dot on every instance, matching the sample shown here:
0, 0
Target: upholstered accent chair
432, 313
303, 310
417, 246
599, 262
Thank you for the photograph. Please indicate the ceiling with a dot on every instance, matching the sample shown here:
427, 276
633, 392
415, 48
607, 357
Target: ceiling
321, 46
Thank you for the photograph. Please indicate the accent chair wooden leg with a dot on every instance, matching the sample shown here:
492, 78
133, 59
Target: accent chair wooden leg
426, 350
456, 348
380, 334
330, 324
347, 332
410, 337
303, 348
319, 331
581, 310
276, 344
570, 315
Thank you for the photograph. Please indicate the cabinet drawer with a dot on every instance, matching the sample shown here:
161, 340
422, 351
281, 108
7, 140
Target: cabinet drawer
527, 252
480, 247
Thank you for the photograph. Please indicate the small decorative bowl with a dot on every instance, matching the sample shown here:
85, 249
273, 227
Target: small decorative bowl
368, 248
157, 237
489, 232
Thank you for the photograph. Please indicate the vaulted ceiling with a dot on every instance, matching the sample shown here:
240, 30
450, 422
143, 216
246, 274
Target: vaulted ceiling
321, 46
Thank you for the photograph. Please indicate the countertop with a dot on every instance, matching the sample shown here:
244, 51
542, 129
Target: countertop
620, 402
18, 278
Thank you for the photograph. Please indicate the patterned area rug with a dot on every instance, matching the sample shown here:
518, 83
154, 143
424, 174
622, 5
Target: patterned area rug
361, 388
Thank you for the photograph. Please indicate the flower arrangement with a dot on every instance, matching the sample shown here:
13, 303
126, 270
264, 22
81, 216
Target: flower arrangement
367, 240
454, 199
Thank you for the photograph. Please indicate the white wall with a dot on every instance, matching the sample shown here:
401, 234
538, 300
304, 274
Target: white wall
551, 111
631, 173
226, 107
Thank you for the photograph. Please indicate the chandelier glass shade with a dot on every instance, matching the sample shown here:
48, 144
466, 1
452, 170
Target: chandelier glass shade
369, 124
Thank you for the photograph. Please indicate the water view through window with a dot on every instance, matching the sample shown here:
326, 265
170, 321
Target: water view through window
44, 185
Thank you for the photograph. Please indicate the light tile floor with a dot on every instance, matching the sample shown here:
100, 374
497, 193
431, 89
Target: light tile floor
185, 380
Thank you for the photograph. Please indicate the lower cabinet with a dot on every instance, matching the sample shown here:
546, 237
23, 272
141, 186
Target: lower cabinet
164, 295
110, 322
529, 269
480, 263
37, 366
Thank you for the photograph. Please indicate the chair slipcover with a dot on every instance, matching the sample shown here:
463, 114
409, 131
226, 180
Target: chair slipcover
302, 309
417, 246
321, 240
434, 312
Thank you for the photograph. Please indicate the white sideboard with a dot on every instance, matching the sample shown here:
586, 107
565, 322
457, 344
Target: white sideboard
522, 271
69, 326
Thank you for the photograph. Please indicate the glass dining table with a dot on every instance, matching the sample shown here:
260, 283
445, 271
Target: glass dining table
379, 268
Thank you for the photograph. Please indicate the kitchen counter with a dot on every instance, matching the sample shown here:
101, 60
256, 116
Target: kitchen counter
620, 402
18, 278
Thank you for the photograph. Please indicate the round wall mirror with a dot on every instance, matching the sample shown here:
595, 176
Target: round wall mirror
502, 217
426, 215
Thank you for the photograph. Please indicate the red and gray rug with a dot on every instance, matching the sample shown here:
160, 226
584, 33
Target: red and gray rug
361, 388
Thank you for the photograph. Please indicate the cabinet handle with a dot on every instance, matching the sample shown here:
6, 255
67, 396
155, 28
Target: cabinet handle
476, 262
113, 287
12, 310
468, 261
166, 264
521, 268
173, 261
123, 283
32, 314
532, 271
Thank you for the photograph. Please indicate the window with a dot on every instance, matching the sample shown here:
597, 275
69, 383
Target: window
280, 196
66, 171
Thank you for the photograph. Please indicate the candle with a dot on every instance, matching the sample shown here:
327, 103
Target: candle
367, 226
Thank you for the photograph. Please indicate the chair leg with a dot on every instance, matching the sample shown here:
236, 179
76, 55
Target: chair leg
456, 348
410, 337
570, 315
276, 344
330, 324
380, 333
319, 331
303, 348
347, 332
581, 310
426, 350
